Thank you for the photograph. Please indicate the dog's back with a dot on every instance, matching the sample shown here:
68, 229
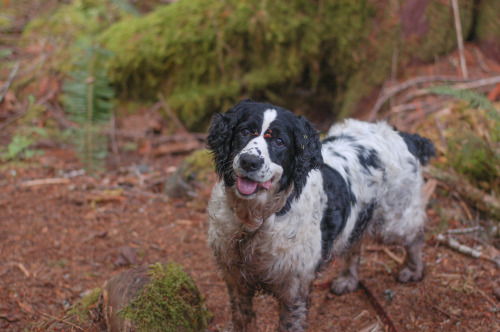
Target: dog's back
382, 168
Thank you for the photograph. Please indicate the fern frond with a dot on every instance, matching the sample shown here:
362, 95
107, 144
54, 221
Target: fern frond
88, 97
475, 99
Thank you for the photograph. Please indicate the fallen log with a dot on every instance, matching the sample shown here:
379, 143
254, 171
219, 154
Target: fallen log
482, 201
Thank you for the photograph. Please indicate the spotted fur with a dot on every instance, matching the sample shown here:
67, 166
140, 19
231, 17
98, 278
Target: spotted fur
287, 204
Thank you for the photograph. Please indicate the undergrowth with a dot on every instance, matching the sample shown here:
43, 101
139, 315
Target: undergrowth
88, 97
473, 138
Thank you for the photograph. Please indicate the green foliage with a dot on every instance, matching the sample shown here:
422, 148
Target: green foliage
21, 143
474, 145
204, 55
65, 27
474, 157
88, 95
475, 99
170, 302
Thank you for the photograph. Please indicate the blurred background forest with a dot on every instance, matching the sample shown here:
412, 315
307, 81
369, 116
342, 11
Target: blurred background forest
105, 105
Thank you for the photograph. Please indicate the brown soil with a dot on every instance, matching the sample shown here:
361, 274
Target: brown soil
59, 240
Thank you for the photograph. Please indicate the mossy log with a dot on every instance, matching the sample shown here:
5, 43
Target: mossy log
206, 54
484, 202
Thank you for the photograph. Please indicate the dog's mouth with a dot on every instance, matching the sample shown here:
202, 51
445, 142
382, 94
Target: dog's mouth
248, 187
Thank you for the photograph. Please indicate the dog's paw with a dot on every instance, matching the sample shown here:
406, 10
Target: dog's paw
409, 275
344, 284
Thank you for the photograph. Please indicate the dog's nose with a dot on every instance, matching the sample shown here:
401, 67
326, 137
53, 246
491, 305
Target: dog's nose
250, 162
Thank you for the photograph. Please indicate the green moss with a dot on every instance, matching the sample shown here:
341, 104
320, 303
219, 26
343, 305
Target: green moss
81, 309
170, 302
474, 157
204, 55
440, 37
488, 22
473, 148
197, 166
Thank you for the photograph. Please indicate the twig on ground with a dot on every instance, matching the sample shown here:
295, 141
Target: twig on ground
40, 182
465, 230
157, 140
23, 269
137, 192
460, 39
392, 255
58, 114
464, 85
371, 327
463, 206
486, 296
454, 244
441, 310
379, 309
480, 60
25, 111
13, 119
6, 86
62, 320
392, 91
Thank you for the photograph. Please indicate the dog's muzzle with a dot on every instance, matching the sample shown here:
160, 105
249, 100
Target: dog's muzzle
249, 164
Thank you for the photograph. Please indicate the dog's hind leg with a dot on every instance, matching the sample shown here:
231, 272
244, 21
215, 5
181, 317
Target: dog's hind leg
413, 269
348, 279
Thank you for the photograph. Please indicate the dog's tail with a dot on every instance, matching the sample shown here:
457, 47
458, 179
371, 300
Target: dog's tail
419, 146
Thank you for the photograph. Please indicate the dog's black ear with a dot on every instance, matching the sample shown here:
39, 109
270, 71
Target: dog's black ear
307, 153
219, 141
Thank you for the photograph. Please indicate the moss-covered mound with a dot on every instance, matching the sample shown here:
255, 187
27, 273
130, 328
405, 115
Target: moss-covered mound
169, 300
206, 54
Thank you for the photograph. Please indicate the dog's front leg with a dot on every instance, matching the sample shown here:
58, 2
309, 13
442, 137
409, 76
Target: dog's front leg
240, 296
293, 309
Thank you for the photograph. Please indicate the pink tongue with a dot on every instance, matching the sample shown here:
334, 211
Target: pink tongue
266, 184
246, 187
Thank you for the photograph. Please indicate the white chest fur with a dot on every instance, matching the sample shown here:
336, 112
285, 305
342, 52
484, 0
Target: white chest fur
283, 245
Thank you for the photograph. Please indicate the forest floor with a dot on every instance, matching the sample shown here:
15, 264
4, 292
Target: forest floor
58, 241
69, 233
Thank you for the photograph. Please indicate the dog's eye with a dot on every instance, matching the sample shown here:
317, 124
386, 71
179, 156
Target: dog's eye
279, 142
245, 132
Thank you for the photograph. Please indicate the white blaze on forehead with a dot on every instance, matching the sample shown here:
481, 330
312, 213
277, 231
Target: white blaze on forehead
269, 116
259, 147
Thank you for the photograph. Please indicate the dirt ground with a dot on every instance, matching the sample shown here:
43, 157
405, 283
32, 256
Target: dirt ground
58, 241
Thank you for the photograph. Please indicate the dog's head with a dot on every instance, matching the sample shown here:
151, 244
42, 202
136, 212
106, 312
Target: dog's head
260, 148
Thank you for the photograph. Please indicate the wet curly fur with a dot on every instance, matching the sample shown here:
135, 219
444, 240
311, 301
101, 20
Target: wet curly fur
287, 203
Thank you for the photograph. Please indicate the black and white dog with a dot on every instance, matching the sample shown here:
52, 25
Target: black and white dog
287, 203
